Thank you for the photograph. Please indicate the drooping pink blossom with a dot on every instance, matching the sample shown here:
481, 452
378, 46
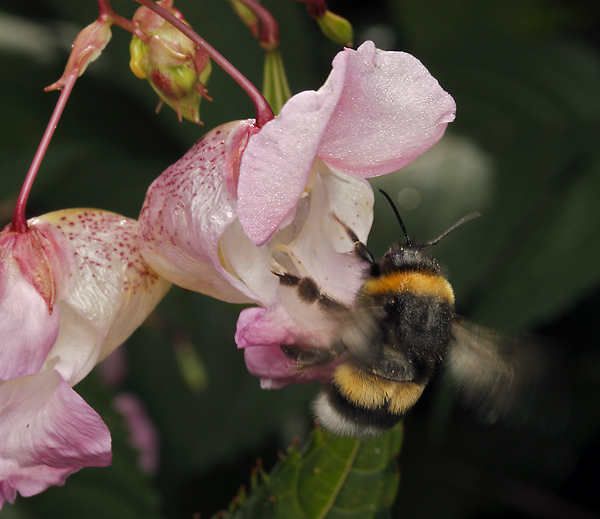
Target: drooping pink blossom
245, 203
72, 289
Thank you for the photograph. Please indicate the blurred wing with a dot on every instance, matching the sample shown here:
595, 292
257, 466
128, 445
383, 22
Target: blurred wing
506, 376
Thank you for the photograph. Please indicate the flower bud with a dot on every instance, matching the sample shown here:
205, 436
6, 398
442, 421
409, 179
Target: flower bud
247, 17
337, 29
88, 45
175, 68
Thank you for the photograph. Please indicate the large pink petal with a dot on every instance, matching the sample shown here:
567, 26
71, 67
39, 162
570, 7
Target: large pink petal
391, 111
28, 331
47, 432
188, 208
278, 160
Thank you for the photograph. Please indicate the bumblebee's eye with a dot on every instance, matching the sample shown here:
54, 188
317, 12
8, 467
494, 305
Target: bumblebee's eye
391, 305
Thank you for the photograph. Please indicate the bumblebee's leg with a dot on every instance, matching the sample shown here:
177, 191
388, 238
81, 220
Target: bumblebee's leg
360, 249
309, 291
307, 358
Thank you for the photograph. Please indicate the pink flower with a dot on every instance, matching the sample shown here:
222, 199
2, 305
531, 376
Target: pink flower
143, 434
72, 289
246, 202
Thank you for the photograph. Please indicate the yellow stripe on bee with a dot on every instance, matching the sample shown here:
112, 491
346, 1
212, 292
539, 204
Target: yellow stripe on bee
418, 283
372, 392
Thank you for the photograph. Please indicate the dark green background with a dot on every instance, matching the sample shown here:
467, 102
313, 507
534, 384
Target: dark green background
523, 151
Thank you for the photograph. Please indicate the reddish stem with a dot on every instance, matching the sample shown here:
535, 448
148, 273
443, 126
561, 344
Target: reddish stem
315, 8
263, 111
19, 220
106, 9
269, 30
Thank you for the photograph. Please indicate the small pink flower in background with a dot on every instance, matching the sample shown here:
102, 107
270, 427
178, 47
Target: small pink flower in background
143, 434
246, 202
72, 289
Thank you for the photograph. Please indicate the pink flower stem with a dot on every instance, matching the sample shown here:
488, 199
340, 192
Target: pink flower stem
263, 111
19, 220
269, 30
106, 10
315, 8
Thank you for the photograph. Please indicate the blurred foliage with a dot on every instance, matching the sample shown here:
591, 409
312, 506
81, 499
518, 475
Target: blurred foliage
523, 151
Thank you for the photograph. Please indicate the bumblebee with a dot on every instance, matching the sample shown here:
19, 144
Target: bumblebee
399, 330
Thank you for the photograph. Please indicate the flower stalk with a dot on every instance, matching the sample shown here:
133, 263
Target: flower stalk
266, 30
19, 220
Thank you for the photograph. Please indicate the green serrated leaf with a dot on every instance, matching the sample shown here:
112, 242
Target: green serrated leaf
331, 477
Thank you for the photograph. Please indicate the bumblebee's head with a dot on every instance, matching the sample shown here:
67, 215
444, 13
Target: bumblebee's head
408, 256
414, 256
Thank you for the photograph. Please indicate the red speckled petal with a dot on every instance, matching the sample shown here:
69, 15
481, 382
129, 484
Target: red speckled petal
189, 208
114, 289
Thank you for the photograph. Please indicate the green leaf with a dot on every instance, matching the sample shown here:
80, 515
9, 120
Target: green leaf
331, 477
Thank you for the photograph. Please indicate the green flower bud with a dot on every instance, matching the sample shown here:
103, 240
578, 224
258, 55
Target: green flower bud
337, 29
174, 67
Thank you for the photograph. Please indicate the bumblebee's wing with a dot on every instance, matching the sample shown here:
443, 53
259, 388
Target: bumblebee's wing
505, 376
362, 338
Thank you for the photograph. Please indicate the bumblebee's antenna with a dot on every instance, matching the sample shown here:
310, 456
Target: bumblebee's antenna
463, 220
389, 199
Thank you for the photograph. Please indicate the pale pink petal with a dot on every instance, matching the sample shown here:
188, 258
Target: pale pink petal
391, 111
47, 432
261, 332
323, 249
113, 292
278, 160
46, 260
187, 210
27, 327
250, 264
271, 365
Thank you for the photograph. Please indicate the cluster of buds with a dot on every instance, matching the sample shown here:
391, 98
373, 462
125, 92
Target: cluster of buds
175, 67
251, 198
